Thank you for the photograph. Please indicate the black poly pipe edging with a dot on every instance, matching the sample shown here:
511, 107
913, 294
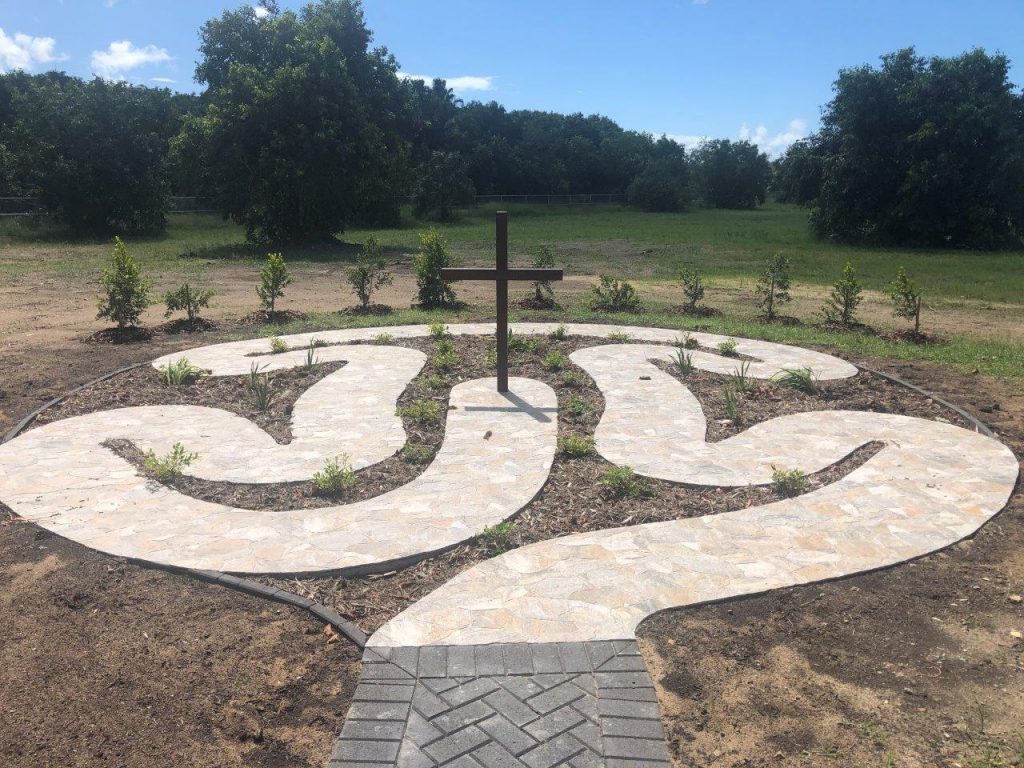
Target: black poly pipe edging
322, 612
248, 586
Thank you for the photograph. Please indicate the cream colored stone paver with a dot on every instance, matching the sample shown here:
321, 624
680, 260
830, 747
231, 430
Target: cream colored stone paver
932, 485
496, 456
350, 411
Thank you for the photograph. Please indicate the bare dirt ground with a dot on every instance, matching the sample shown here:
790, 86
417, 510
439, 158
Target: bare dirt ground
107, 664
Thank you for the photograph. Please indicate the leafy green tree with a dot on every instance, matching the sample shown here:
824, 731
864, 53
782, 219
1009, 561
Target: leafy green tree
906, 298
543, 294
433, 290
443, 185
925, 152
773, 286
303, 129
274, 277
796, 177
845, 297
189, 300
94, 152
370, 272
127, 293
732, 174
693, 289
662, 186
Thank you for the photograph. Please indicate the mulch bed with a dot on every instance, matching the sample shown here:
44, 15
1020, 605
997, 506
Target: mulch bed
573, 499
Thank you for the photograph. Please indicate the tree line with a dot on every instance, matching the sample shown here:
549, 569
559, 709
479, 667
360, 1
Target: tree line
305, 128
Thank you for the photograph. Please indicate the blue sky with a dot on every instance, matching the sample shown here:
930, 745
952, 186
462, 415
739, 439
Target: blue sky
688, 68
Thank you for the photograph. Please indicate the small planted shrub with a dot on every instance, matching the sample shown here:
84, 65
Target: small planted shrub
789, 482
319, 343
432, 382
127, 293
687, 342
728, 348
168, 468
261, 389
445, 360
684, 361
491, 358
278, 346
611, 295
383, 338
438, 331
543, 295
432, 290
577, 407
422, 412
414, 453
802, 379
773, 286
445, 344
621, 482
181, 371
336, 477
576, 446
274, 278
518, 342
572, 379
498, 538
370, 272
189, 300
740, 379
844, 299
555, 360
732, 404
906, 299
619, 336
255, 371
693, 289
560, 333
311, 361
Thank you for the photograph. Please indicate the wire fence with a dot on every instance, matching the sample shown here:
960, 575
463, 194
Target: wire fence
31, 206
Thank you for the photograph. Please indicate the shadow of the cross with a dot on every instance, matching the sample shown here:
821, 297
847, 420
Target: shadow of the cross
518, 406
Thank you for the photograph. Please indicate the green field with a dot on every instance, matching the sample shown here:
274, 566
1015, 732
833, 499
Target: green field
649, 249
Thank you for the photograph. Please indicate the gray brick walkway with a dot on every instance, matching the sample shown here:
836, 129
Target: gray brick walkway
513, 705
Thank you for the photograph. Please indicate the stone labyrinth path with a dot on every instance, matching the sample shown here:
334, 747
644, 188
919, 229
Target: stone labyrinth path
527, 659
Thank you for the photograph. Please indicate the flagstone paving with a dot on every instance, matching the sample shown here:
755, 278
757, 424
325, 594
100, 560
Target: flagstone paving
526, 659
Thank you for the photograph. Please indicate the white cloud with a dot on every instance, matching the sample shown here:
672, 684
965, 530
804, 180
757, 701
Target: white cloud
260, 11
162, 80
24, 51
457, 84
687, 140
774, 144
122, 55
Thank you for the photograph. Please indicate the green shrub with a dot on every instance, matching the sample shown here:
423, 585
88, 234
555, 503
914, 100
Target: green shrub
684, 361
518, 342
439, 330
181, 371
127, 294
274, 277
773, 286
906, 298
555, 360
614, 296
728, 348
278, 346
383, 338
311, 361
693, 289
261, 389
317, 343
445, 344
543, 295
576, 446
445, 360
433, 291
422, 412
560, 333
188, 300
416, 454
168, 468
498, 538
577, 407
370, 272
802, 379
844, 299
622, 481
619, 336
432, 382
740, 379
732, 404
572, 379
336, 477
789, 482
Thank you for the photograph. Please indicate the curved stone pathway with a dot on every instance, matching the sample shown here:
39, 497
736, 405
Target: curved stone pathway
527, 659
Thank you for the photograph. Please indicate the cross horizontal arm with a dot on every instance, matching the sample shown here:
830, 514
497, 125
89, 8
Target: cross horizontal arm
472, 273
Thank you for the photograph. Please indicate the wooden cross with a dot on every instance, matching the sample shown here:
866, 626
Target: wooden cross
501, 274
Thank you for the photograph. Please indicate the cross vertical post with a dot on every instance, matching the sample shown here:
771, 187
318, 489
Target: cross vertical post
501, 287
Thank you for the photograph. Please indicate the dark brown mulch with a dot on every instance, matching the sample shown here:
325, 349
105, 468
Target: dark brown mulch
698, 311
371, 310
129, 335
279, 317
184, 325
